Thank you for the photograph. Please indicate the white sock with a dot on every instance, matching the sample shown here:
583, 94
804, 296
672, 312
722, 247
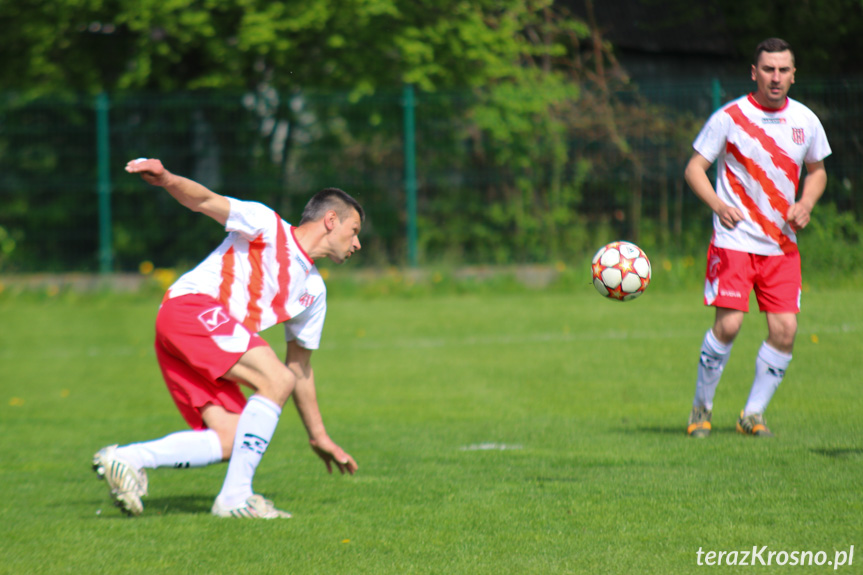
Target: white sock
254, 432
181, 450
770, 366
714, 356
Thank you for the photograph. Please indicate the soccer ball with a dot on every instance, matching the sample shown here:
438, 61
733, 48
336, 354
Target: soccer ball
621, 271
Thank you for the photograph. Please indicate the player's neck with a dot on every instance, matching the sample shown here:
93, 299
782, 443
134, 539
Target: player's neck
309, 238
768, 105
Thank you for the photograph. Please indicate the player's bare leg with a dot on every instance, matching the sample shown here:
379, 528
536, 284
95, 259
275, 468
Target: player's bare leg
781, 331
224, 423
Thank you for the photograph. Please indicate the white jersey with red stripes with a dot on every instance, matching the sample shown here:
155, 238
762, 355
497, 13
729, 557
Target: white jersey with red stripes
759, 154
262, 276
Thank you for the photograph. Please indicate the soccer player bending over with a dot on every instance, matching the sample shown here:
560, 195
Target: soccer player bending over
760, 143
207, 343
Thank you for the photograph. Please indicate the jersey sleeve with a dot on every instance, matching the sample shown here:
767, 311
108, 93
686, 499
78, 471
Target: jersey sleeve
820, 147
307, 325
249, 219
710, 142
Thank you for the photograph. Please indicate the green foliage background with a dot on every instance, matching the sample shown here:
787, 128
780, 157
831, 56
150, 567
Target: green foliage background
534, 146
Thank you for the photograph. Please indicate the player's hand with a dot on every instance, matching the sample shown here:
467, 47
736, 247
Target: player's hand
333, 454
729, 216
151, 170
798, 216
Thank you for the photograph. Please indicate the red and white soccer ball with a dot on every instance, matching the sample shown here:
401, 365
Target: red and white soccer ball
621, 271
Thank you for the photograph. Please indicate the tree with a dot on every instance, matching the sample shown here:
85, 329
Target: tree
93, 45
533, 85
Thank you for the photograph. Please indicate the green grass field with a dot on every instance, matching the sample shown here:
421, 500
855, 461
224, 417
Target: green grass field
535, 432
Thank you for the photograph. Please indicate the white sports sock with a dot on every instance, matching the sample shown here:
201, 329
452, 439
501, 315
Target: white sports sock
714, 356
254, 432
770, 366
181, 450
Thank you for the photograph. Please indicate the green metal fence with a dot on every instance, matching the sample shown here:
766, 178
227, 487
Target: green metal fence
429, 180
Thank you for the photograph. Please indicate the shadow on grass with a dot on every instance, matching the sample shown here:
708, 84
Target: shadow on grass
676, 430
157, 506
179, 504
839, 452
185, 504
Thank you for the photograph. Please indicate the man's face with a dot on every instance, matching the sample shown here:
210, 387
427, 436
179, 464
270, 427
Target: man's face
344, 237
773, 76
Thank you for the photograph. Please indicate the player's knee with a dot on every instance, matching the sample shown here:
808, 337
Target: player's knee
782, 340
260, 369
781, 332
278, 385
727, 324
726, 331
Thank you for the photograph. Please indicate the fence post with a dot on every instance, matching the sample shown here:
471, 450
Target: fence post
716, 94
410, 171
103, 151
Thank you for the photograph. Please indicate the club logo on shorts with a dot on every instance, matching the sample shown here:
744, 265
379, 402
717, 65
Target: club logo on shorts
797, 136
213, 318
713, 266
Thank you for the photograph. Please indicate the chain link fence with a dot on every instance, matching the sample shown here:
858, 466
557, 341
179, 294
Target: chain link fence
67, 205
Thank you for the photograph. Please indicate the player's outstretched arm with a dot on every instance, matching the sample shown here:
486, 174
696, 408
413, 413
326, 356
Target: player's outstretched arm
305, 398
189, 193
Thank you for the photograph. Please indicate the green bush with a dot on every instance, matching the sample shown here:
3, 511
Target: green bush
831, 247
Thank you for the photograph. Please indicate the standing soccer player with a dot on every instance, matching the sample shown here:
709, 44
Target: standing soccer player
760, 143
207, 343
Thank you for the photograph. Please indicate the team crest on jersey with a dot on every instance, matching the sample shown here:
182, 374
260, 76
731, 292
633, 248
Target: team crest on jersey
213, 318
307, 299
797, 136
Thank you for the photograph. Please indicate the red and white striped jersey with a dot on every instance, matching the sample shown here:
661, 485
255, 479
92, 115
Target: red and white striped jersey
262, 276
759, 155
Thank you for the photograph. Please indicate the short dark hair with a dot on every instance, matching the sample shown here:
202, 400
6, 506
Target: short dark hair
331, 199
772, 45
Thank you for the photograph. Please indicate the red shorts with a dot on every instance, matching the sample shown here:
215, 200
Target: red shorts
732, 275
197, 342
